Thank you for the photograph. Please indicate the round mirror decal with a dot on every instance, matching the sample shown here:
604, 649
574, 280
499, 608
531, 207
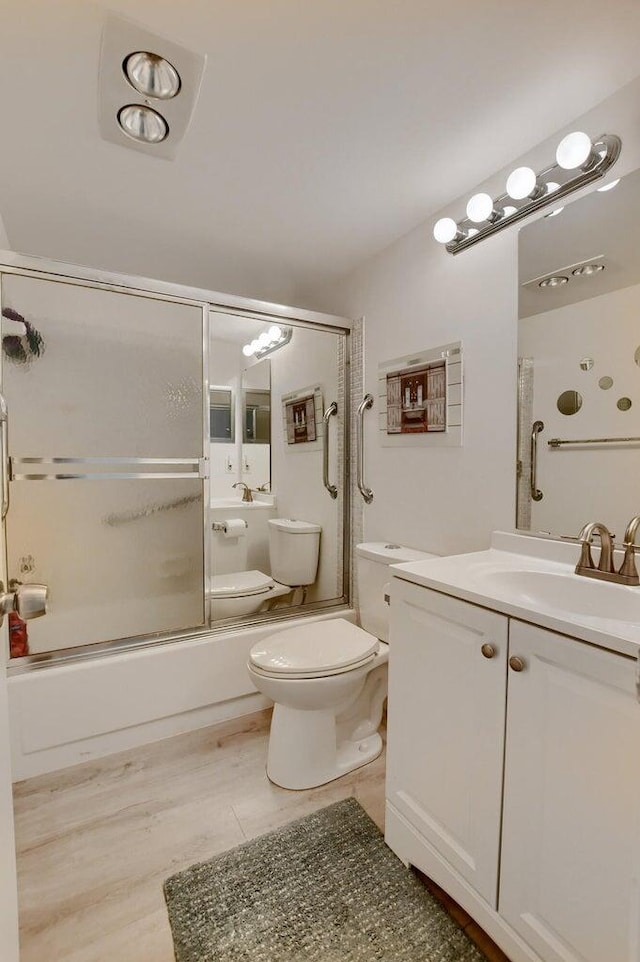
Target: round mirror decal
605, 382
624, 403
636, 356
587, 363
569, 402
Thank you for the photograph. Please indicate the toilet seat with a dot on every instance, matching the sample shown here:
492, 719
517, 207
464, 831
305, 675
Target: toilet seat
314, 651
240, 584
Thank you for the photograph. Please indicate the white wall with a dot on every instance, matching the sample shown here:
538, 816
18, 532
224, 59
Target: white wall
415, 295
4, 239
606, 329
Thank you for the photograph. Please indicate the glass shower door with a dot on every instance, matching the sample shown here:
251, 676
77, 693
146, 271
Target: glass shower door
105, 394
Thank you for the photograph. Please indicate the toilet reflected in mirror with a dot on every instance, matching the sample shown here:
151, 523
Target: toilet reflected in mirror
277, 537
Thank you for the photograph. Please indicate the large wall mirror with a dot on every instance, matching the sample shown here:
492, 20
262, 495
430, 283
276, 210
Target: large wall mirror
579, 364
278, 537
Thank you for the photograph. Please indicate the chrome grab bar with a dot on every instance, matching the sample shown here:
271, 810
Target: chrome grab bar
4, 455
331, 488
536, 494
366, 492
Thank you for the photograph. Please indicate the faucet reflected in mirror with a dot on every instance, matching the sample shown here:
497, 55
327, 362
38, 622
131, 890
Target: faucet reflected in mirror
246, 494
605, 571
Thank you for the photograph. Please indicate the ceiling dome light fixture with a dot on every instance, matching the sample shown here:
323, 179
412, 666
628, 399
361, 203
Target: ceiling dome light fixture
558, 280
152, 75
143, 124
579, 162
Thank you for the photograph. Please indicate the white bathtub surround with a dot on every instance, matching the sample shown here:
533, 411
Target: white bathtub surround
63, 715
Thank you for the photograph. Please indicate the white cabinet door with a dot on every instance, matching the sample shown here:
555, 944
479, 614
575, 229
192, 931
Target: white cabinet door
446, 721
571, 836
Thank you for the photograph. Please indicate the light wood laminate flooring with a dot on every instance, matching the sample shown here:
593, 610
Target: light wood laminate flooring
96, 842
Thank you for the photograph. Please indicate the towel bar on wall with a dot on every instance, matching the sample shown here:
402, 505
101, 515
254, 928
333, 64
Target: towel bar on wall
557, 442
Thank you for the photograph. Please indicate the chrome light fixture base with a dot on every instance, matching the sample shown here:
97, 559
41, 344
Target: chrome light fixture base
605, 152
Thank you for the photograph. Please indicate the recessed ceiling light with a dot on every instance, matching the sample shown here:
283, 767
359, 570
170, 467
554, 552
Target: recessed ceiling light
152, 75
556, 281
143, 124
585, 270
609, 186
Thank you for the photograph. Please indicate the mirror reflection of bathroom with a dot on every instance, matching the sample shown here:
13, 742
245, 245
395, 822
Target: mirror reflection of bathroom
276, 534
578, 344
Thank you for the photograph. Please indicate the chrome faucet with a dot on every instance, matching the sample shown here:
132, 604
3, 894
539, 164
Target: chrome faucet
585, 566
246, 494
628, 572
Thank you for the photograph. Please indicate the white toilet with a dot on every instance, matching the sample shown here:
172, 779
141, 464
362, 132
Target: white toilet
328, 681
294, 550
235, 592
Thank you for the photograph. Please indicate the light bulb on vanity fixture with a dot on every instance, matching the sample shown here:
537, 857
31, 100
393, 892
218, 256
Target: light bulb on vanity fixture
579, 162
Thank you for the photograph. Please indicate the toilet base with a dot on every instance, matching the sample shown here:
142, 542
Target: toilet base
322, 761
308, 748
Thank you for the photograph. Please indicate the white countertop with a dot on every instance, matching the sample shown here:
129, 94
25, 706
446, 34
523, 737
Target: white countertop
486, 578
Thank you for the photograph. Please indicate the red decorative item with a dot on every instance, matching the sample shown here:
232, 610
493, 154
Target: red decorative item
18, 636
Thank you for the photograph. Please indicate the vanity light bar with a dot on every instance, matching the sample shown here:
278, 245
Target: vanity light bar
269, 341
579, 161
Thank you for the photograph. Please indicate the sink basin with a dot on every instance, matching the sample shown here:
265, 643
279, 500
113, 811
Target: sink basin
566, 592
534, 580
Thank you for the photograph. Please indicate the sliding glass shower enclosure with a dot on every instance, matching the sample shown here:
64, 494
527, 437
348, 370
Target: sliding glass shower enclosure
108, 454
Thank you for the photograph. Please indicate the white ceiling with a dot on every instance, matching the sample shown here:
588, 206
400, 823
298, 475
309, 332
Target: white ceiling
324, 130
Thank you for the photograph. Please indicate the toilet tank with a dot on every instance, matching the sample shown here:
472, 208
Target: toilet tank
294, 548
372, 575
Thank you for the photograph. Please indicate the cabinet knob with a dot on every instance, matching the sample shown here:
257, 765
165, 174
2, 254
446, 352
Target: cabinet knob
488, 650
516, 663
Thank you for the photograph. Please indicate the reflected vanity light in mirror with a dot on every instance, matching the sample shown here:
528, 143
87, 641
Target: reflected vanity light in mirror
609, 186
268, 341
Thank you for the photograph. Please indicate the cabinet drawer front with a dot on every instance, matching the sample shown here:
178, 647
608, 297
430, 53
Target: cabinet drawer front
446, 721
571, 836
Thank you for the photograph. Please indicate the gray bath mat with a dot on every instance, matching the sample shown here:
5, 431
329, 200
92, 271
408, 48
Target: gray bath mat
322, 889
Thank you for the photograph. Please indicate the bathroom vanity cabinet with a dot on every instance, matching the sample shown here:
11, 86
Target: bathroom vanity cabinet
514, 776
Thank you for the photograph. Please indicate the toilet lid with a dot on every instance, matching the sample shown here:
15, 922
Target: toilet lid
239, 584
325, 647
